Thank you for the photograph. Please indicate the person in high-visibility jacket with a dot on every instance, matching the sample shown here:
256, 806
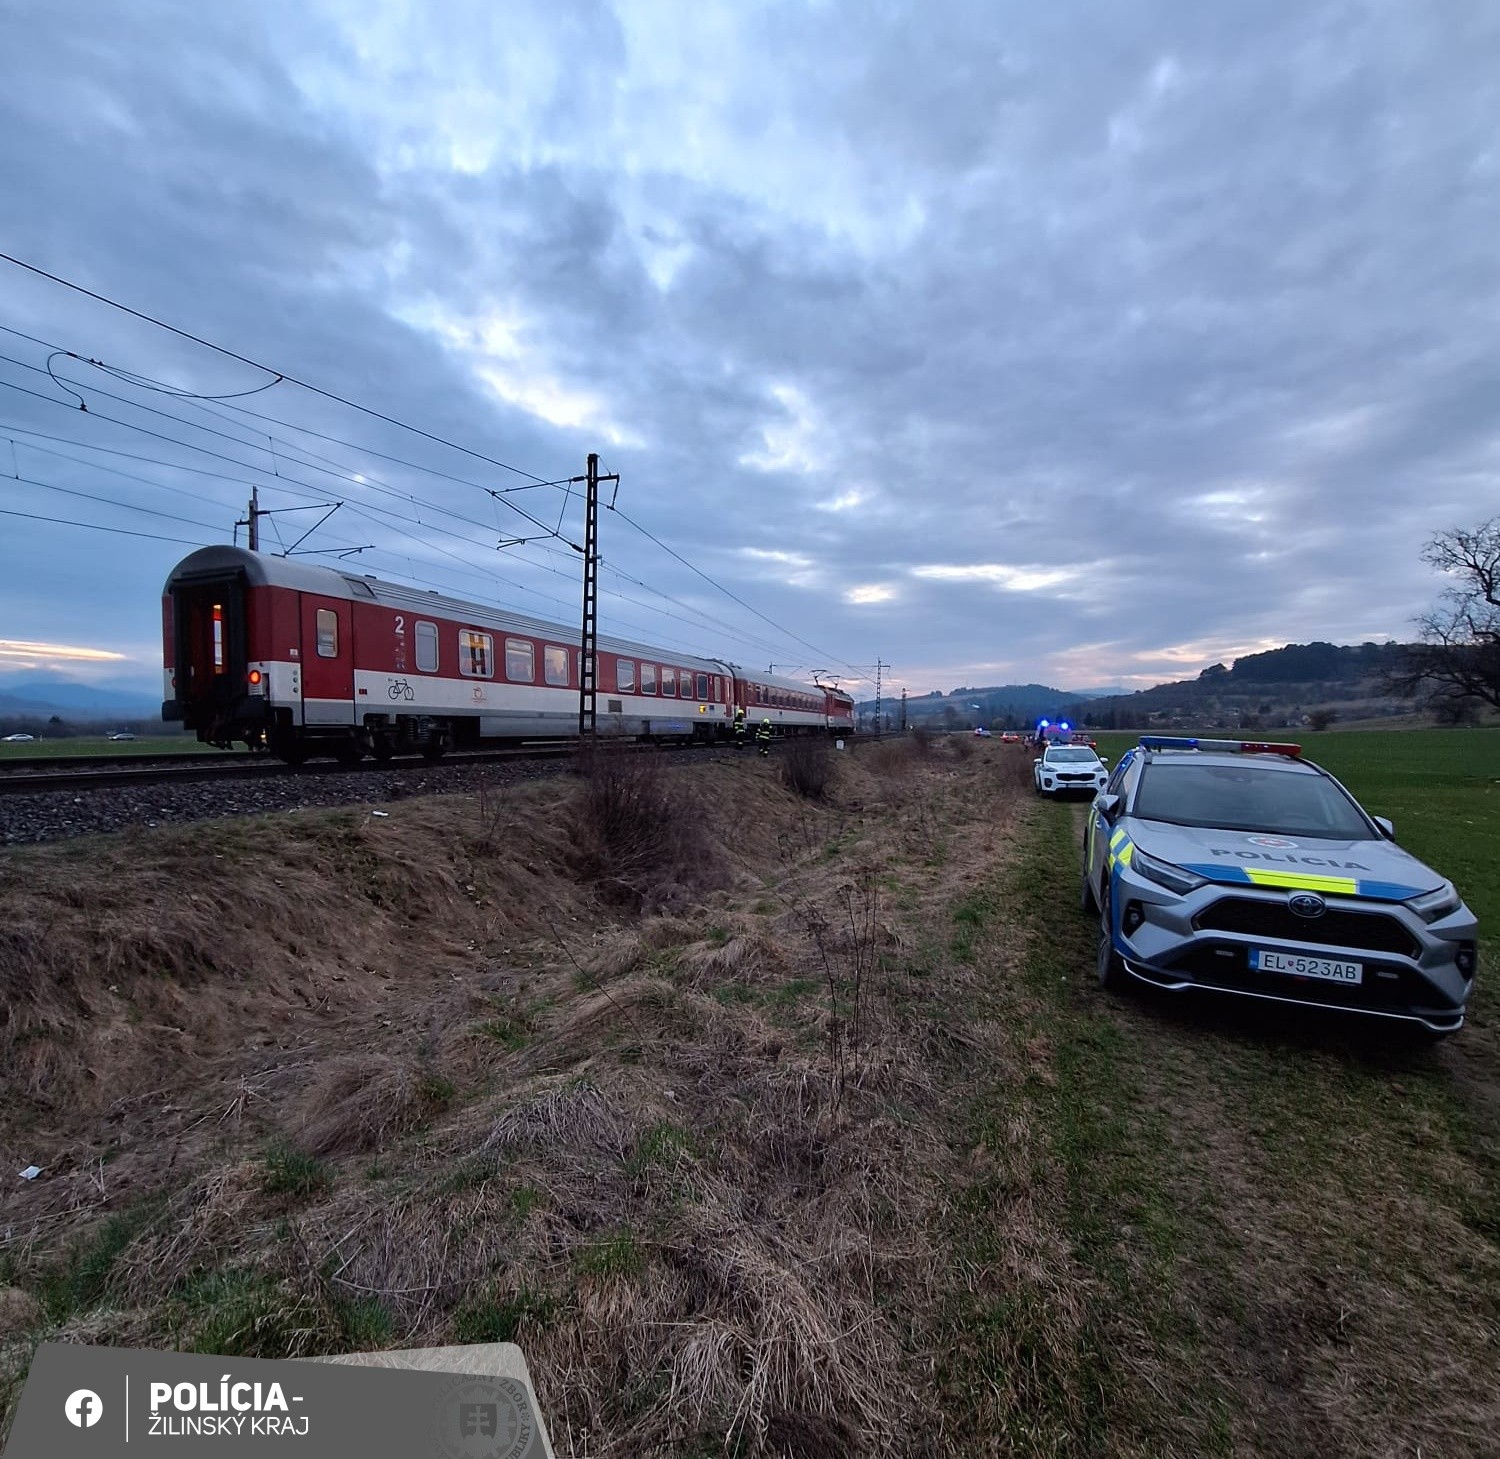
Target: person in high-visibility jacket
739, 728
763, 737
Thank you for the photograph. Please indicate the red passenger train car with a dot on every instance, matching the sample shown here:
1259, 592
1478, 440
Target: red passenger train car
307, 660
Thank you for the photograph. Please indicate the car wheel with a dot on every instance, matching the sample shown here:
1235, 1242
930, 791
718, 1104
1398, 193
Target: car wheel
1108, 966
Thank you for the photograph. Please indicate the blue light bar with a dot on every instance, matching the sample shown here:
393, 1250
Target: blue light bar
1234, 747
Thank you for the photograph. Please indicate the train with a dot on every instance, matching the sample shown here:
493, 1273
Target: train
304, 660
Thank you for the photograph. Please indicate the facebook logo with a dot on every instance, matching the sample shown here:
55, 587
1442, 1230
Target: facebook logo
83, 1409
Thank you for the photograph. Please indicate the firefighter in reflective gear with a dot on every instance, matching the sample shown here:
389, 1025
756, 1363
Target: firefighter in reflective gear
763, 737
739, 728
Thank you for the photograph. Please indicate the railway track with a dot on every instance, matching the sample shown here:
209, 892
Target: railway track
89, 773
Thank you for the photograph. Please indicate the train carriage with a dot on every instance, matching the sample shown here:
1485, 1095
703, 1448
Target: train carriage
303, 660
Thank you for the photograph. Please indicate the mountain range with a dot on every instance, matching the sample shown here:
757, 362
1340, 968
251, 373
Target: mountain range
40, 696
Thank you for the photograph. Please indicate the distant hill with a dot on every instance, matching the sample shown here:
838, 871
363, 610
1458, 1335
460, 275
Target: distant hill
1277, 689
37, 696
1001, 706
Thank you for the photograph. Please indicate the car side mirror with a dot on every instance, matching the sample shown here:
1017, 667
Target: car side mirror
1108, 806
1387, 827
1037, 761
1104, 759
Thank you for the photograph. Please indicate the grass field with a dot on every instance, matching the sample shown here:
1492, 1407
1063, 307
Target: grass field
99, 745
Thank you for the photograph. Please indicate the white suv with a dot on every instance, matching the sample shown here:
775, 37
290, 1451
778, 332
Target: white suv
1062, 769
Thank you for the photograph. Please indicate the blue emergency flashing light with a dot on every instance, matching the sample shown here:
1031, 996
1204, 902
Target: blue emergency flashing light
1236, 747
1044, 723
1064, 725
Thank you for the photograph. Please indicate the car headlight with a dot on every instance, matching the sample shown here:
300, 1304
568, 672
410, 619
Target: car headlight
1164, 874
1430, 906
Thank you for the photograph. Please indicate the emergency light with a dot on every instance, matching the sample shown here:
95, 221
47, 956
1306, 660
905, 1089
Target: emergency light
1235, 747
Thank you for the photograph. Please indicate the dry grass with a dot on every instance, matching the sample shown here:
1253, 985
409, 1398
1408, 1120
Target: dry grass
591, 1116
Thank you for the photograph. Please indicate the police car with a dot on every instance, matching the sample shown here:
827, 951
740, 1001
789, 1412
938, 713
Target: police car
1239, 867
1064, 769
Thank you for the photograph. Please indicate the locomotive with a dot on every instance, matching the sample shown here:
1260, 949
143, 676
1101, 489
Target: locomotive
303, 660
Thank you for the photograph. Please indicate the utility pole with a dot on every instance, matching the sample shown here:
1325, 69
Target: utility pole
253, 514
903, 709
879, 711
587, 662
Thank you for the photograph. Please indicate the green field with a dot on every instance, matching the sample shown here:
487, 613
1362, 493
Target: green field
1441, 788
99, 745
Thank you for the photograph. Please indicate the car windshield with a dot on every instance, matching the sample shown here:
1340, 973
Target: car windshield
1248, 798
1068, 755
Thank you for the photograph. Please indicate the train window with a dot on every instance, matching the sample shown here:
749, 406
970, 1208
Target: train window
520, 660
476, 654
648, 678
427, 647
328, 633
718, 689
625, 675
669, 683
702, 686
554, 664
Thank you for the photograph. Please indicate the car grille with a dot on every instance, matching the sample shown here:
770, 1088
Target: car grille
1364, 931
1075, 775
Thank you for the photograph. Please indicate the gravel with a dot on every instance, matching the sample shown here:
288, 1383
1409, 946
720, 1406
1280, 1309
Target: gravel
57, 815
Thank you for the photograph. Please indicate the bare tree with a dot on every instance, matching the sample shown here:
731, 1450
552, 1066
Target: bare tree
1458, 655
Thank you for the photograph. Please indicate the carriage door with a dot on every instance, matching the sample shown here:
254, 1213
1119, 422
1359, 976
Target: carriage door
327, 660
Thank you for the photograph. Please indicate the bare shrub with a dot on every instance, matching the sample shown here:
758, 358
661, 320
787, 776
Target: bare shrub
921, 741
493, 817
635, 835
844, 933
807, 766
889, 759
962, 746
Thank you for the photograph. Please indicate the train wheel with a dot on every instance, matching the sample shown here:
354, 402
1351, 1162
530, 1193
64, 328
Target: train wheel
383, 749
288, 749
349, 752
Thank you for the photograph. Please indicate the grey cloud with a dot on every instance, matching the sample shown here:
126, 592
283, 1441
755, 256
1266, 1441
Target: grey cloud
1162, 252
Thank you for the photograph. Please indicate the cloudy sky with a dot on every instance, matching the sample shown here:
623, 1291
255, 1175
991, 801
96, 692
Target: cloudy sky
1085, 343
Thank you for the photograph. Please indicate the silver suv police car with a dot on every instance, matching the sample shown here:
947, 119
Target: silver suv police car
1239, 867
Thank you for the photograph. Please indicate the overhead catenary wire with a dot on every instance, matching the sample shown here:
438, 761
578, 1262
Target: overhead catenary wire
203, 402
264, 369
111, 502
191, 398
672, 552
9, 433
95, 527
373, 485
355, 478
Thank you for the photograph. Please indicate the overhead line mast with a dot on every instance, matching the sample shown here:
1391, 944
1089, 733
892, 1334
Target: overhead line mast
587, 664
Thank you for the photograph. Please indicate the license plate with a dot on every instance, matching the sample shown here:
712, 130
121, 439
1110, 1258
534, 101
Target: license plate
1265, 961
